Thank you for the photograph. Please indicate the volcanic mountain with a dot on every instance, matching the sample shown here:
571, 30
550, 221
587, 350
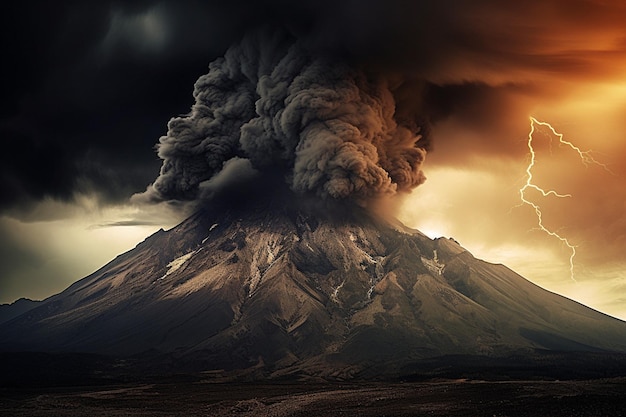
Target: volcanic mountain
297, 289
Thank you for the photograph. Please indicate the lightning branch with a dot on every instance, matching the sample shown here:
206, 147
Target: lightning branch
585, 157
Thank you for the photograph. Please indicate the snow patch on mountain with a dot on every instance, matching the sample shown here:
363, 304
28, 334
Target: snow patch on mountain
262, 260
336, 291
369, 292
433, 265
175, 265
210, 230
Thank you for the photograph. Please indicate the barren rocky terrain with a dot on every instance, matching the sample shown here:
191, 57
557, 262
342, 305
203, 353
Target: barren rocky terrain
189, 398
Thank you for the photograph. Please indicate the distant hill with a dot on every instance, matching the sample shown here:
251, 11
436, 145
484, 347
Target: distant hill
21, 306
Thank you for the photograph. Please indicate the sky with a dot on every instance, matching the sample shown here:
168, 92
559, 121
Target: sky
90, 90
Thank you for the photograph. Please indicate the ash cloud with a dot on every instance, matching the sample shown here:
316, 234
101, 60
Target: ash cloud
90, 86
328, 128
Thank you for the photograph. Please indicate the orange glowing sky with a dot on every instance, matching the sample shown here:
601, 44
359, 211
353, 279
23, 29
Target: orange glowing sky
562, 63
478, 199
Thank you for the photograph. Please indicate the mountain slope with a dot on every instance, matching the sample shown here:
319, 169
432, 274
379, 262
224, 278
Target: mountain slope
291, 289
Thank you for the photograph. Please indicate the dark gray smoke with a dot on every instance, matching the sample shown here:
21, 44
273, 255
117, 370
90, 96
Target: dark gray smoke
329, 129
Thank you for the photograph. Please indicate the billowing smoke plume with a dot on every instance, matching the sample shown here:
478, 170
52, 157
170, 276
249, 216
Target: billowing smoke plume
327, 129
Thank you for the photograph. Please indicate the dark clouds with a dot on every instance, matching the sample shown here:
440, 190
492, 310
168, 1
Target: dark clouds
90, 87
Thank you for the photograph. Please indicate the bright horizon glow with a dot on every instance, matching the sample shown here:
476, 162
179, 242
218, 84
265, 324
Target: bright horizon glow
70, 249
475, 200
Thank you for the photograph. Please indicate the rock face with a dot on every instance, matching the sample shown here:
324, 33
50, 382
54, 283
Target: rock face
291, 290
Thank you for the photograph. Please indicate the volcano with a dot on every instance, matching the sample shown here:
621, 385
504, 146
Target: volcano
296, 289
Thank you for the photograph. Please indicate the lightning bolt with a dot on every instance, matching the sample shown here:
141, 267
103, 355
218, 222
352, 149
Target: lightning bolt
585, 157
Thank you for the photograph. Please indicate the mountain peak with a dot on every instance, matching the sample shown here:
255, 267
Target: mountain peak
300, 289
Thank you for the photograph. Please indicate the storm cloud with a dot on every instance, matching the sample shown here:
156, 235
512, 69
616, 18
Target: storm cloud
90, 87
329, 128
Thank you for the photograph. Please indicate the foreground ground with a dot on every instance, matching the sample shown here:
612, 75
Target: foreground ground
199, 397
